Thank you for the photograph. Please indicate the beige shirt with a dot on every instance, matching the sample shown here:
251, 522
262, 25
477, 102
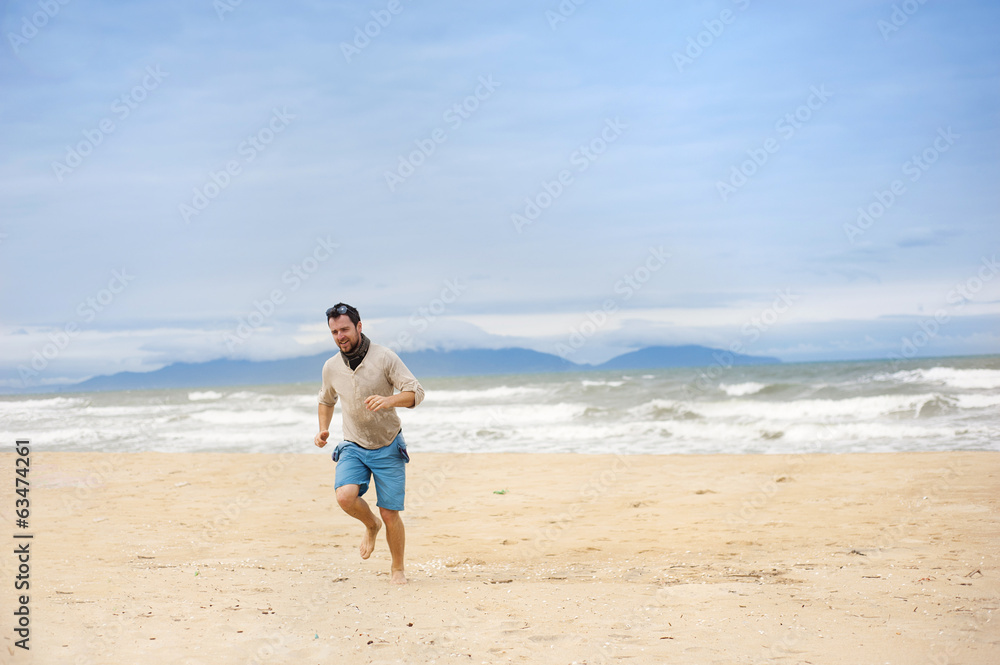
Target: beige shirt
380, 373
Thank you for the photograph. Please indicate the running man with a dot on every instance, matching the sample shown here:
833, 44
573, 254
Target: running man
366, 378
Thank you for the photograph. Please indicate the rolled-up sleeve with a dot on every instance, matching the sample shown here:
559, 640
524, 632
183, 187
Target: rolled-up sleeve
402, 379
328, 394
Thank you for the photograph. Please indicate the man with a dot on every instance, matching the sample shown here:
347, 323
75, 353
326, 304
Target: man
365, 376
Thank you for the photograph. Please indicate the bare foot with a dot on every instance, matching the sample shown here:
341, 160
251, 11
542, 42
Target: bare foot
368, 542
398, 577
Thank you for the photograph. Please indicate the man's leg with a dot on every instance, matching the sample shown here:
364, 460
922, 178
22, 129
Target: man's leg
389, 468
395, 535
356, 507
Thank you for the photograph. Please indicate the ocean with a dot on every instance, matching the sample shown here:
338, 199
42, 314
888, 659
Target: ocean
872, 406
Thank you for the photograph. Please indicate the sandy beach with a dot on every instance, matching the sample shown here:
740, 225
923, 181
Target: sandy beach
514, 558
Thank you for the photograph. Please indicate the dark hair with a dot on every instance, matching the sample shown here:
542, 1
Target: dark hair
341, 309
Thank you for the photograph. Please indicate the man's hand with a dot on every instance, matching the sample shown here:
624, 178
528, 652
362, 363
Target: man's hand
376, 402
321, 438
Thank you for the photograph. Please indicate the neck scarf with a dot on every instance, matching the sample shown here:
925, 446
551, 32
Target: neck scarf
354, 358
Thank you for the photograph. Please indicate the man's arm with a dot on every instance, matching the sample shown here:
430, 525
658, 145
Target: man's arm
407, 399
411, 393
325, 416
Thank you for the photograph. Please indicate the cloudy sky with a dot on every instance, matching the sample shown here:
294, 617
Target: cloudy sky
192, 180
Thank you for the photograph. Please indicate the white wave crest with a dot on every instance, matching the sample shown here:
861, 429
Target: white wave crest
510, 415
966, 379
30, 404
740, 389
796, 410
203, 396
658, 407
977, 401
485, 394
248, 417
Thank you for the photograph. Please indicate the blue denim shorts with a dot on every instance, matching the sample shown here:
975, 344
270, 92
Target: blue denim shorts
356, 466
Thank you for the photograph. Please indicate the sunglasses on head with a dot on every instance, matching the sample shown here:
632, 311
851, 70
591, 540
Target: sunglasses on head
338, 310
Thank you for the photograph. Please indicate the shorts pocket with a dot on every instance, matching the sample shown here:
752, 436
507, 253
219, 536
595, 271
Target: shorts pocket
401, 445
338, 450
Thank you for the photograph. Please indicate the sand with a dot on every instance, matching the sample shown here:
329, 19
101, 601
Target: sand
224, 558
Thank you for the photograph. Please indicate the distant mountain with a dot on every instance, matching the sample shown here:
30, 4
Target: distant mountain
653, 357
475, 362
212, 373
429, 363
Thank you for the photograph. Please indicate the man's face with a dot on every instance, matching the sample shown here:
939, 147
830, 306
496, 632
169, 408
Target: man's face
345, 333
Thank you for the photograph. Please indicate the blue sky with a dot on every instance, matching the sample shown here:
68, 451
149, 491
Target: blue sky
193, 180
